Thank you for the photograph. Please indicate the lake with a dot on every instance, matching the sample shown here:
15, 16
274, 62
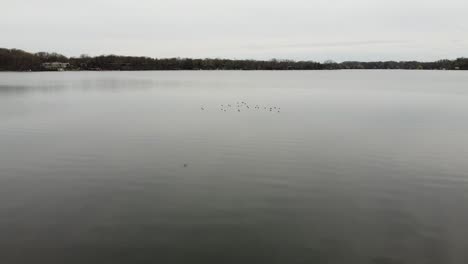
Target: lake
193, 167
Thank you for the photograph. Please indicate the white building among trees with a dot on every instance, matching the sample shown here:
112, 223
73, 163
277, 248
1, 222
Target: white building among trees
55, 66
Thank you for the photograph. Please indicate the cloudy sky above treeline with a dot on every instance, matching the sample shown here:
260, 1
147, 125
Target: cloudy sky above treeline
259, 29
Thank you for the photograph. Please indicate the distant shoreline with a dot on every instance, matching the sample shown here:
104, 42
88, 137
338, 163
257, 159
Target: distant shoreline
322, 70
14, 60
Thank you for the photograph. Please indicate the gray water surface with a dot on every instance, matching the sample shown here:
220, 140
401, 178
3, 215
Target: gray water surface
126, 167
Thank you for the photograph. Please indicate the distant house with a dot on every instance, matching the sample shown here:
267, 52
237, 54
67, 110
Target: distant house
55, 66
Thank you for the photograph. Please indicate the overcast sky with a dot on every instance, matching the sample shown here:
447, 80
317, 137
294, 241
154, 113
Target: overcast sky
260, 29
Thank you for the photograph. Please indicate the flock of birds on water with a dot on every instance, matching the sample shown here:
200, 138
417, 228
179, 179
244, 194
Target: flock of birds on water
243, 106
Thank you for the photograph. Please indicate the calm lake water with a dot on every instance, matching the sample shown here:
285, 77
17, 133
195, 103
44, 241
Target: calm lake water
126, 167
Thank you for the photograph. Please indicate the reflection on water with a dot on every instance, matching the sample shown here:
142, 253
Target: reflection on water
125, 167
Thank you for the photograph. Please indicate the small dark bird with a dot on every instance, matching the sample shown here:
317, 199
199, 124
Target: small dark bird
185, 165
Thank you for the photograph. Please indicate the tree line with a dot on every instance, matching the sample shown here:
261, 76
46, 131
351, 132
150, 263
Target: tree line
18, 60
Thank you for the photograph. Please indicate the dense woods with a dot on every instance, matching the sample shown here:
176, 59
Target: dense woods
18, 60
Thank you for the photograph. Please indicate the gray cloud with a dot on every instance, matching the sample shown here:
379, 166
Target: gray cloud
329, 44
297, 29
